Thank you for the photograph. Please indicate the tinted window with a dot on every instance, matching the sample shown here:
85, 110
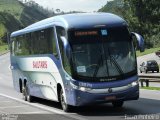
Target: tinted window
102, 54
38, 42
152, 63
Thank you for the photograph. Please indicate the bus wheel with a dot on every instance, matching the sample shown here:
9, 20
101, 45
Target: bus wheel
24, 93
146, 71
27, 96
64, 105
117, 104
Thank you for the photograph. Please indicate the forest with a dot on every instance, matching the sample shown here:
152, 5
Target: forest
142, 16
15, 15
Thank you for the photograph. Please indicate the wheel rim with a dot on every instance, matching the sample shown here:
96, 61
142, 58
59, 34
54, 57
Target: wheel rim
25, 94
63, 103
28, 98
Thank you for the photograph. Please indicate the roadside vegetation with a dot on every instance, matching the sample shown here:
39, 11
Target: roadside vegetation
17, 14
142, 17
147, 51
3, 49
151, 88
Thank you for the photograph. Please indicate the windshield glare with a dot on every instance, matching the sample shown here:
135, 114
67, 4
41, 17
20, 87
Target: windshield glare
103, 57
89, 57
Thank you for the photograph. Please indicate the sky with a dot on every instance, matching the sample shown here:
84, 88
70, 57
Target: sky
73, 5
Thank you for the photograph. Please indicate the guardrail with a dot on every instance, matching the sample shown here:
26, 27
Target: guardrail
148, 78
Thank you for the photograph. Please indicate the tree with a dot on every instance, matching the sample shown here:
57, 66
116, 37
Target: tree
143, 16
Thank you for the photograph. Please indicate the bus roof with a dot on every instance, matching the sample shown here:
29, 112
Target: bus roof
75, 21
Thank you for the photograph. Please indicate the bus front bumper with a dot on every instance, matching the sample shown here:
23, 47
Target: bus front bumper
79, 98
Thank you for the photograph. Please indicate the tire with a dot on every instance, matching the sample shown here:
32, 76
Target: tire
26, 95
65, 106
152, 71
29, 98
117, 104
146, 71
157, 71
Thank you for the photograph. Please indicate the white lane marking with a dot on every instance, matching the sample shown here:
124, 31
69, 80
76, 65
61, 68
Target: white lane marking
5, 101
1, 112
52, 110
12, 107
37, 112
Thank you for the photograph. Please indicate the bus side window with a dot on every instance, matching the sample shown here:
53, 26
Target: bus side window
52, 37
13, 46
16, 46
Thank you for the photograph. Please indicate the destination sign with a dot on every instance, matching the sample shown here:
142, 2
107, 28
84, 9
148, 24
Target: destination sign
102, 32
85, 33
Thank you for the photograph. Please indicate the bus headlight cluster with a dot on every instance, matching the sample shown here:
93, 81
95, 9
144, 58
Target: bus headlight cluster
134, 83
84, 89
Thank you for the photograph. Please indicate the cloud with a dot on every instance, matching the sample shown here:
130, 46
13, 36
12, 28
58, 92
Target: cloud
73, 5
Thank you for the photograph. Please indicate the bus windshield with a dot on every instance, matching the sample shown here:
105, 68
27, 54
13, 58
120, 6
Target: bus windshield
106, 54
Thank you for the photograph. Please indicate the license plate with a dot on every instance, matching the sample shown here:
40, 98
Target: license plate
110, 98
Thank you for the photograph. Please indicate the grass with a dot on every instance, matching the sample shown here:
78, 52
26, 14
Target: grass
147, 51
3, 49
151, 88
2, 30
11, 6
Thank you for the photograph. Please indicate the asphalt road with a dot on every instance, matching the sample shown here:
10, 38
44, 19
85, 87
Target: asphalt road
11, 103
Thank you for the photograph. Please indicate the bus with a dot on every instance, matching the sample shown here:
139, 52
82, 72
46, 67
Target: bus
76, 59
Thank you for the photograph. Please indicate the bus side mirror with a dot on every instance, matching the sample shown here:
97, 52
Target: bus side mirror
140, 41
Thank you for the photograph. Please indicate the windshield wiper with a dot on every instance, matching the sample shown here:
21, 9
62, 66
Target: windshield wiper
112, 59
100, 61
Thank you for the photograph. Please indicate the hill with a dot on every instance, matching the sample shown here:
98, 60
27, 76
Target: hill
143, 17
15, 15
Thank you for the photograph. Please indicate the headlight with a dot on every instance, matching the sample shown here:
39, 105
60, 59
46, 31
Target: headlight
84, 89
134, 83
79, 88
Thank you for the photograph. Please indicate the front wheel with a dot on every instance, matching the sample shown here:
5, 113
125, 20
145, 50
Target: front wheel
64, 105
117, 104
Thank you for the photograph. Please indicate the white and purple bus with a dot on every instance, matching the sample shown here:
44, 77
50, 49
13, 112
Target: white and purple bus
76, 59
